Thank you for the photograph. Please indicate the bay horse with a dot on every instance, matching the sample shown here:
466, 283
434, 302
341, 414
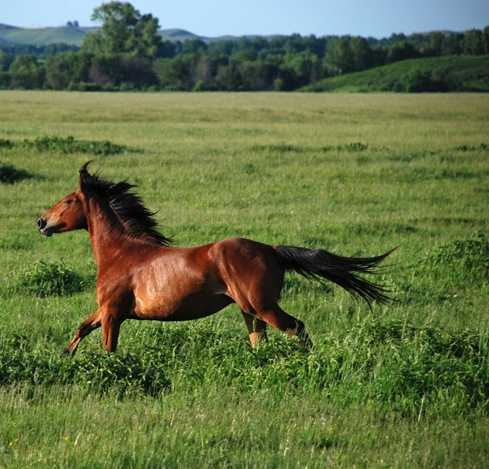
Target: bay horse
140, 275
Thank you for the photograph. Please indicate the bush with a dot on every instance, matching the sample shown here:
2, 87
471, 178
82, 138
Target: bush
71, 145
66, 145
20, 362
48, 279
466, 258
465, 148
9, 174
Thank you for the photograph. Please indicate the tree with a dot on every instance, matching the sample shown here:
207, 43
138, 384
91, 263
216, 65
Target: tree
362, 53
66, 69
473, 42
26, 72
486, 40
452, 45
436, 43
300, 69
339, 55
124, 31
194, 46
5, 61
401, 51
258, 75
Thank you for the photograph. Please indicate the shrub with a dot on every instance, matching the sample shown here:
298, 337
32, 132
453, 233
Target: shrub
5, 143
465, 148
71, 145
20, 362
66, 145
50, 278
462, 258
9, 174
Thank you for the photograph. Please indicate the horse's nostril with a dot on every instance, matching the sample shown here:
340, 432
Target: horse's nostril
41, 223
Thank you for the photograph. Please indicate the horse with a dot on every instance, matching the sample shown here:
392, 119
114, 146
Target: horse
141, 275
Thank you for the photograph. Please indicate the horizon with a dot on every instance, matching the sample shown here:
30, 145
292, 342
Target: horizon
284, 17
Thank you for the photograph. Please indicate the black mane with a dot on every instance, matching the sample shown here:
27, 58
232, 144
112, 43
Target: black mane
127, 207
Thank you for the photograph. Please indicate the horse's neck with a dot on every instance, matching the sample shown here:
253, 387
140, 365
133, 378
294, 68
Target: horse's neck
106, 239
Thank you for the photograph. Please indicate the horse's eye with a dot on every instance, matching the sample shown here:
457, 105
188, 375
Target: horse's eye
68, 202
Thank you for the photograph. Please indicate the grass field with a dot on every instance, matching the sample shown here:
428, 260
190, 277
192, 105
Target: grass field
403, 385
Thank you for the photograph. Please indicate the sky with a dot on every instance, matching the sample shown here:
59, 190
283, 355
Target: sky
377, 18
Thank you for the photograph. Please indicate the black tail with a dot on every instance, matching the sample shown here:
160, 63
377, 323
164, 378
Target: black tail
320, 264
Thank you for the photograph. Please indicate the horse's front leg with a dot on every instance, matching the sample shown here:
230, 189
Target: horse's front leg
111, 324
91, 323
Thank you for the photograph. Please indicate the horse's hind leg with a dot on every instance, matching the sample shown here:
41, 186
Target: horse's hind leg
87, 326
256, 329
277, 317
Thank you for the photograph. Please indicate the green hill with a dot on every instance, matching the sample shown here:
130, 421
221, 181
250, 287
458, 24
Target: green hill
453, 73
43, 36
72, 35
178, 35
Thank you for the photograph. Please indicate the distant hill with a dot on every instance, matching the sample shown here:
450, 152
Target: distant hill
42, 36
73, 35
179, 35
452, 73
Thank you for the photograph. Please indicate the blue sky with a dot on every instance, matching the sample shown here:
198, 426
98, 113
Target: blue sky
321, 17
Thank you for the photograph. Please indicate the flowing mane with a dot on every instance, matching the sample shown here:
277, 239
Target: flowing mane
126, 205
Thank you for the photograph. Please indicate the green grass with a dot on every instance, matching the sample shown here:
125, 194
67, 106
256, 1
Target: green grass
404, 385
455, 73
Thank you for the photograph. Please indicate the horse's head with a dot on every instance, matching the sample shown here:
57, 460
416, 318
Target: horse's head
66, 215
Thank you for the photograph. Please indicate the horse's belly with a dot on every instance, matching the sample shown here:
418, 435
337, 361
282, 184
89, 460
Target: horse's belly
177, 288
190, 307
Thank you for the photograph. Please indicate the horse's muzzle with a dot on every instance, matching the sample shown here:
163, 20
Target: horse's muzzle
43, 228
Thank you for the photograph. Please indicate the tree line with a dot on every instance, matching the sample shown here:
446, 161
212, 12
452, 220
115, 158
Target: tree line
128, 53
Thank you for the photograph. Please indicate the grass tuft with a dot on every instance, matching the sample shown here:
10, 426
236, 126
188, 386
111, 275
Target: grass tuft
48, 279
481, 147
468, 258
10, 174
67, 145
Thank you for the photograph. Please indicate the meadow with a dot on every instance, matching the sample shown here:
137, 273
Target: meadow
401, 385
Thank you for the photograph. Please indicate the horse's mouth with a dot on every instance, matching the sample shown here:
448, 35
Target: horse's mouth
46, 231
49, 230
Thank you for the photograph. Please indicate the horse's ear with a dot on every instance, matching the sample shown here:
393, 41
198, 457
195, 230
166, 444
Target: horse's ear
84, 176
